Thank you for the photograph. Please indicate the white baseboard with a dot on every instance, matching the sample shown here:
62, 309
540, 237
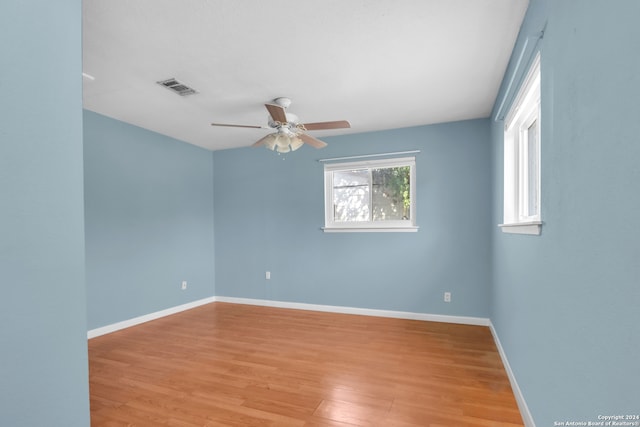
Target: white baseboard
522, 404
465, 320
481, 321
146, 318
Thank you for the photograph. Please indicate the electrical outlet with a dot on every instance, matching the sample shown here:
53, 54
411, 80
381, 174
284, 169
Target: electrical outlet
267, 275
184, 285
447, 297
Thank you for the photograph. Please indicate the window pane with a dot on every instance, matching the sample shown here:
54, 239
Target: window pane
391, 193
532, 169
350, 178
351, 195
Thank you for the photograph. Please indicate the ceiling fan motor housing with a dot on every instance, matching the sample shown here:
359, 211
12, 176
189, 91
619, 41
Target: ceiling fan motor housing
283, 102
292, 121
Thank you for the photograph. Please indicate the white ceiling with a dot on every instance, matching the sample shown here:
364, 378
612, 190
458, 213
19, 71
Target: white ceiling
379, 64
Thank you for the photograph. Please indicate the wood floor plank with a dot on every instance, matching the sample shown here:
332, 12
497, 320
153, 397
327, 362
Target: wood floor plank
238, 365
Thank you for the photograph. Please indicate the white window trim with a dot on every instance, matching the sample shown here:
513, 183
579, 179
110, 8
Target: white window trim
524, 112
368, 226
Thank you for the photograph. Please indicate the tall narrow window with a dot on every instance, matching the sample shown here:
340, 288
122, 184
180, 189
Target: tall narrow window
522, 158
374, 195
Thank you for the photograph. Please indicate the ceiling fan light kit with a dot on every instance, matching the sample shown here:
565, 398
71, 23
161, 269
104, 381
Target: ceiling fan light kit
283, 143
290, 133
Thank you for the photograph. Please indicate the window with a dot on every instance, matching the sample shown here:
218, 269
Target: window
373, 195
522, 158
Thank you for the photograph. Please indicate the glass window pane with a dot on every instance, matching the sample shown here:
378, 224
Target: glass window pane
350, 178
532, 169
391, 193
351, 195
351, 204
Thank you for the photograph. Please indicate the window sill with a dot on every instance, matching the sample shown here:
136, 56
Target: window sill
411, 229
532, 228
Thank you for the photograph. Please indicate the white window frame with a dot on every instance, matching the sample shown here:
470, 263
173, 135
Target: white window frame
369, 226
524, 113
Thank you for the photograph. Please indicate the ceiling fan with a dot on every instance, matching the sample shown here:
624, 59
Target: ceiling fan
289, 133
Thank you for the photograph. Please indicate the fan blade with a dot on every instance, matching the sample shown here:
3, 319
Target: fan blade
262, 140
340, 124
314, 142
277, 113
239, 126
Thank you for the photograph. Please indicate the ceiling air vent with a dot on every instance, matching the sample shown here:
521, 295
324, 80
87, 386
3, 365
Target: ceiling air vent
177, 87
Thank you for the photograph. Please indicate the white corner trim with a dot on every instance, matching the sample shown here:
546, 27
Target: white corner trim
522, 404
465, 320
146, 318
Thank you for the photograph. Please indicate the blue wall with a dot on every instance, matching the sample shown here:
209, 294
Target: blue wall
269, 210
149, 221
566, 303
43, 347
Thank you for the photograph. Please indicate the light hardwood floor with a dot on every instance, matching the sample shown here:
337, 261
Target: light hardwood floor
239, 365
